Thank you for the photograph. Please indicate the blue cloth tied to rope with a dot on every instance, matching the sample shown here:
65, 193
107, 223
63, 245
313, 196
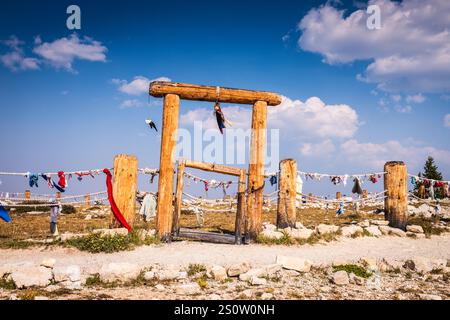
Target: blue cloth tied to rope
4, 214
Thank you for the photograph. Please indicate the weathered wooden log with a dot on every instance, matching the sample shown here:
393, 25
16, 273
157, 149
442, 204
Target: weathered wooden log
210, 93
287, 194
256, 169
125, 186
396, 201
211, 167
166, 166
178, 198
206, 236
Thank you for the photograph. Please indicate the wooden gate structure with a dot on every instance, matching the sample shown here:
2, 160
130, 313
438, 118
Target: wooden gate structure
172, 93
240, 213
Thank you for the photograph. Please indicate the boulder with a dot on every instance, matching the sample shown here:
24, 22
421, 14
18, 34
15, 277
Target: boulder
355, 279
269, 226
364, 224
167, 274
32, 276
257, 272
340, 278
247, 294
294, 263
429, 297
414, 229
390, 265
385, 230
266, 296
299, 225
149, 275
48, 263
397, 232
219, 273
121, 271
326, 228
68, 276
424, 265
373, 231
349, 231
379, 222
272, 234
256, 281
369, 263
188, 289
272, 270
301, 234
237, 269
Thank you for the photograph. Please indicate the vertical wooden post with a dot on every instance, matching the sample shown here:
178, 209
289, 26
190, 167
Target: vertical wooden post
256, 169
395, 204
287, 194
58, 195
338, 195
178, 198
87, 200
166, 166
365, 194
125, 186
310, 197
27, 194
240, 213
422, 191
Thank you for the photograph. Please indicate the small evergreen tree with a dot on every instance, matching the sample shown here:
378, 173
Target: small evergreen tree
430, 170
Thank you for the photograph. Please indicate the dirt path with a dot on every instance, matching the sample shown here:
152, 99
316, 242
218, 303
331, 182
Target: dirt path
183, 253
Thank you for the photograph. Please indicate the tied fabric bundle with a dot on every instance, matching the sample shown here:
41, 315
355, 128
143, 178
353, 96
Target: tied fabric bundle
62, 179
4, 214
117, 214
33, 180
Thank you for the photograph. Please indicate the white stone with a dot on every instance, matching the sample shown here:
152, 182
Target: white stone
247, 293
266, 296
385, 230
167, 274
294, 263
429, 297
237, 269
121, 271
369, 263
32, 276
340, 278
389, 265
256, 281
379, 222
364, 224
424, 265
188, 289
355, 279
397, 232
326, 228
149, 275
40, 298
67, 273
219, 273
414, 229
48, 263
301, 234
257, 272
373, 231
269, 226
271, 234
88, 217
160, 287
299, 225
272, 269
349, 231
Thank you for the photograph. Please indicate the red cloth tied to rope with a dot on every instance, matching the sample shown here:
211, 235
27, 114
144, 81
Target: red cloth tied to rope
117, 214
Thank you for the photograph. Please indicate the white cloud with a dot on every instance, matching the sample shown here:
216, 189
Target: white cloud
411, 51
312, 119
396, 97
447, 120
138, 86
323, 148
417, 98
376, 154
61, 53
132, 103
403, 109
15, 60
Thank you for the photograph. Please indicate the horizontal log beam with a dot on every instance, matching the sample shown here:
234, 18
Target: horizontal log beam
211, 167
212, 94
206, 236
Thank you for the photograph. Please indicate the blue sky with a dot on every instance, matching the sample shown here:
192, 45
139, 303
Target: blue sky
69, 102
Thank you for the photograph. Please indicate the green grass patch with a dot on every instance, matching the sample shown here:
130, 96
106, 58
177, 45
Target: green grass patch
355, 269
427, 224
16, 244
96, 242
284, 240
7, 283
202, 281
195, 268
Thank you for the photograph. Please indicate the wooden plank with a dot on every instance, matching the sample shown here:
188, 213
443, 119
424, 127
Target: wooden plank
125, 186
396, 201
256, 169
164, 215
212, 94
211, 167
178, 197
287, 193
206, 236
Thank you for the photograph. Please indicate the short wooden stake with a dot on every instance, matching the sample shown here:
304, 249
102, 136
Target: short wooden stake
125, 186
422, 191
87, 200
165, 205
364, 194
58, 195
310, 199
256, 169
395, 204
338, 195
27, 194
178, 198
287, 194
